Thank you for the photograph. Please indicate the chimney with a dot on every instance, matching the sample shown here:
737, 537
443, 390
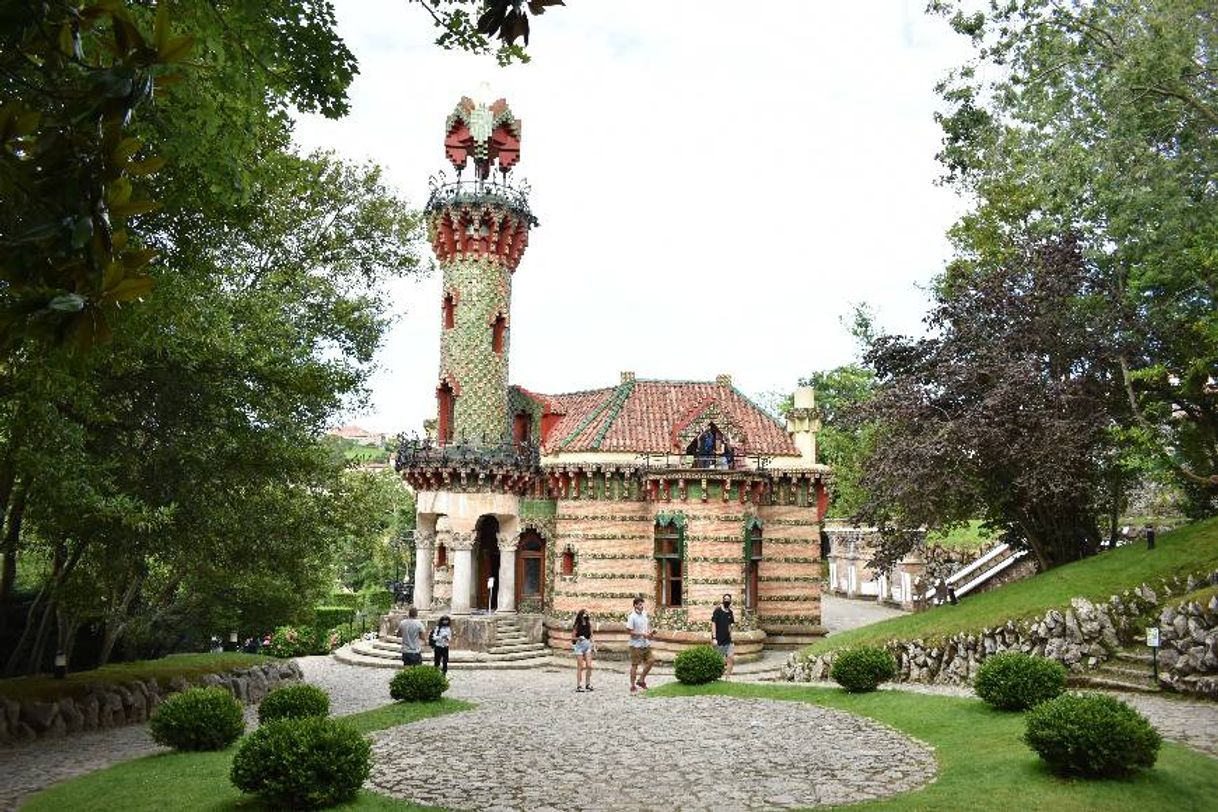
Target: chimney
627, 377
723, 380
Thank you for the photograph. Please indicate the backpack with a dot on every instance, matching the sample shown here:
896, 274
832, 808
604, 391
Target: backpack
431, 638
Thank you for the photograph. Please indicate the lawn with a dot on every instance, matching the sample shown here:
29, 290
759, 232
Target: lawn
968, 537
1183, 551
189, 666
983, 764
193, 782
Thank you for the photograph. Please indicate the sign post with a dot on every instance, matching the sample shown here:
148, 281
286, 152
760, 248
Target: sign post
1152, 640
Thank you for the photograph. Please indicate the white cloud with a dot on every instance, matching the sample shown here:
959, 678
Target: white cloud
717, 183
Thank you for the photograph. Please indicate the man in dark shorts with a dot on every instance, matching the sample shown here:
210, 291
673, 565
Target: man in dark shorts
411, 632
722, 620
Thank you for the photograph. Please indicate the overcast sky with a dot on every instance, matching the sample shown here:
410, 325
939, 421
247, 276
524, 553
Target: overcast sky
717, 184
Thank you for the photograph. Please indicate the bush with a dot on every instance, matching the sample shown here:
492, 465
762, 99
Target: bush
1091, 735
422, 683
349, 600
302, 763
292, 641
1016, 681
327, 617
861, 669
198, 719
698, 665
294, 702
378, 600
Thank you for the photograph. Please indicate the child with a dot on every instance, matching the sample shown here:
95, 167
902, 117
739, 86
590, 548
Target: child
442, 639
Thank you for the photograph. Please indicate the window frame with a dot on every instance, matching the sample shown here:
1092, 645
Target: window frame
669, 554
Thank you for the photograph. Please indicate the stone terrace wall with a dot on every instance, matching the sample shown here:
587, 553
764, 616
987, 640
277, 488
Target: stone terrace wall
1080, 638
105, 705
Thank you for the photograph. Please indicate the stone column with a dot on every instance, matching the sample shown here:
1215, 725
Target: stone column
424, 569
507, 572
463, 570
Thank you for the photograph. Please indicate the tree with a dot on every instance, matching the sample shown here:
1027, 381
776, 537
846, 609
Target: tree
1005, 411
1100, 120
841, 443
472, 26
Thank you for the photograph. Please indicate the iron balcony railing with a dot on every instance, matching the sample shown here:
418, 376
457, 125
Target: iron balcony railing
413, 452
709, 462
445, 192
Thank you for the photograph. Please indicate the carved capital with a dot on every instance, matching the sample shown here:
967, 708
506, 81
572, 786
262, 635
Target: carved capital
462, 540
508, 543
424, 539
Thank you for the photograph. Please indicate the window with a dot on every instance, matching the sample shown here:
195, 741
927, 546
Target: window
752, 581
668, 564
441, 555
568, 562
530, 564
450, 315
522, 425
497, 330
446, 403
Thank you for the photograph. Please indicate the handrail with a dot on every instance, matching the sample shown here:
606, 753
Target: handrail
990, 573
997, 550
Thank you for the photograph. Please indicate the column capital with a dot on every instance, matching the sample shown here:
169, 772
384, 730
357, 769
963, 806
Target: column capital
462, 540
424, 539
508, 542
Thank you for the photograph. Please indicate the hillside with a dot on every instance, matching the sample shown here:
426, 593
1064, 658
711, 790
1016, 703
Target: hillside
1189, 549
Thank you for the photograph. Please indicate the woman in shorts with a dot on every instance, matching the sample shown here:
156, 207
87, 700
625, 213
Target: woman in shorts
581, 640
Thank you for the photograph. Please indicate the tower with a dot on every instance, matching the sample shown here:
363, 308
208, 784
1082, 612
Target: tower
478, 229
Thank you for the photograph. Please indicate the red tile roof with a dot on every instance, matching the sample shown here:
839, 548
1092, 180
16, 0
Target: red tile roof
644, 416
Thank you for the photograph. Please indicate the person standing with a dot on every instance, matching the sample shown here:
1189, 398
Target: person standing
411, 632
441, 639
581, 640
722, 620
639, 626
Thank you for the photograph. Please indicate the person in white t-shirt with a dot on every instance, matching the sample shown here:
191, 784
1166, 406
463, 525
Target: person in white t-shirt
639, 626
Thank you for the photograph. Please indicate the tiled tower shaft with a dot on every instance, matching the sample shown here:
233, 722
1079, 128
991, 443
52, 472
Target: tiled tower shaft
478, 243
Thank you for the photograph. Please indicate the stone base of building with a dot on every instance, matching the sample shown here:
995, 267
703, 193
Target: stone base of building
473, 632
613, 641
791, 637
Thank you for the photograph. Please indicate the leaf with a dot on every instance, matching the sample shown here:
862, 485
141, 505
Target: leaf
133, 287
125, 149
160, 31
138, 259
67, 303
113, 275
146, 166
134, 207
118, 192
176, 49
82, 230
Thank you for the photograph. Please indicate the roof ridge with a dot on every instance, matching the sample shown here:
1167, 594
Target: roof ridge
618, 399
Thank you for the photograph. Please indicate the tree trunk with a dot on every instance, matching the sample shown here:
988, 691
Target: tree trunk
12, 534
118, 619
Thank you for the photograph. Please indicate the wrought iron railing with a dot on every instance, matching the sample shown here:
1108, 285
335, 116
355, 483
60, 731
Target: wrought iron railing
413, 452
708, 462
445, 192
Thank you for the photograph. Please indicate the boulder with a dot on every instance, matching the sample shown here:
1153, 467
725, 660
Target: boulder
39, 715
72, 717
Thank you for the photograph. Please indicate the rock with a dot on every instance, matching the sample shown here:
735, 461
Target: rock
89, 710
12, 712
39, 715
69, 711
178, 684
57, 730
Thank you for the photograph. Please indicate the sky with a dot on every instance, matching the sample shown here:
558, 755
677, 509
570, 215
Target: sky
718, 184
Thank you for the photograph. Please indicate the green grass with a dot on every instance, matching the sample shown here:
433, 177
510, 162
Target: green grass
969, 537
1183, 551
983, 764
194, 782
190, 666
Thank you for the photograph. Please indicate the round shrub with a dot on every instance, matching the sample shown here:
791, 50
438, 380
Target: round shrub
302, 763
1017, 681
198, 719
294, 702
422, 683
698, 665
1091, 735
861, 669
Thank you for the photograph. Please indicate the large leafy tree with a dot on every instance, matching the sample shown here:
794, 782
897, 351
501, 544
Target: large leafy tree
1100, 120
1004, 411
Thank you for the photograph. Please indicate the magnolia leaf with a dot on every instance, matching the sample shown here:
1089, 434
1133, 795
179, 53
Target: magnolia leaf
113, 275
67, 303
82, 230
138, 259
176, 49
134, 207
133, 287
160, 31
125, 149
118, 193
146, 166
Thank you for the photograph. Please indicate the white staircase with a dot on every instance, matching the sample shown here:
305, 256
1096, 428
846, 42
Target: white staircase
512, 650
995, 561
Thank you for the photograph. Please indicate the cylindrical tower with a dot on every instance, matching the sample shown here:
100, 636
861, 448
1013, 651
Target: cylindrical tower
478, 229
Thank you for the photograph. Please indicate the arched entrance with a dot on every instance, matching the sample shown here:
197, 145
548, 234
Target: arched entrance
486, 564
530, 567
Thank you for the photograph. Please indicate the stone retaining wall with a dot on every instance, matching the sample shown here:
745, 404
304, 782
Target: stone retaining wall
1081, 638
113, 705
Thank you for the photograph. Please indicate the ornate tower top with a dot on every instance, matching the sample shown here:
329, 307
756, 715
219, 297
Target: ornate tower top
488, 132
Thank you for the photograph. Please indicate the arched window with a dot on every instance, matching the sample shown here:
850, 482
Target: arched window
450, 311
441, 555
446, 405
669, 547
752, 580
712, 449
497, 332
531, 565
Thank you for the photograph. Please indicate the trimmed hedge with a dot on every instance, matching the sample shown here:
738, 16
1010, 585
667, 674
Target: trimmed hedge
294, 702
698, 665
348, 600
420, 683
1091, 735
327, 617
198, 719
861, 669
1016, 681
302, 763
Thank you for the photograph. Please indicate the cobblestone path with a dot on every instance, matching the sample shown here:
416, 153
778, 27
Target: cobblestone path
839, 614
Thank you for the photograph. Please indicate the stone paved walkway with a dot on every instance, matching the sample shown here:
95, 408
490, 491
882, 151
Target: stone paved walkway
840, 614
